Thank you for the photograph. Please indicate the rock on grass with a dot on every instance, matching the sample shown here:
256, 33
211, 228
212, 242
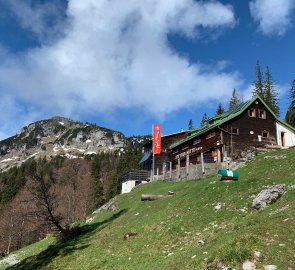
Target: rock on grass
268, 195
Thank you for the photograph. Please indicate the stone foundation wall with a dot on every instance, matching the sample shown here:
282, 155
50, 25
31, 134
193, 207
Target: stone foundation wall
196, 172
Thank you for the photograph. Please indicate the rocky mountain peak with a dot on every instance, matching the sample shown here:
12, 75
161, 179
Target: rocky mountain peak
58, 136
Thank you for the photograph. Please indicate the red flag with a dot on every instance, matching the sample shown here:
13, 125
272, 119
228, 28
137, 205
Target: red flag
157, 139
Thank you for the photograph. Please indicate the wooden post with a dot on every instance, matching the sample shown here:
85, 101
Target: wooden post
219, 155
231, 146
202, 162
187, 164
170, 170
225, 159
164, 170
153, 169
157, 173
178, 168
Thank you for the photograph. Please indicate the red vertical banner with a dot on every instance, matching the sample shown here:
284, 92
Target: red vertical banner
157, 139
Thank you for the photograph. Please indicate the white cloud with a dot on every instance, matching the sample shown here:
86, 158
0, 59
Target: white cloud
273, 16
115, 54
42, 18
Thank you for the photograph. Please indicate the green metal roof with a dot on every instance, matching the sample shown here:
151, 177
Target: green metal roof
225, 117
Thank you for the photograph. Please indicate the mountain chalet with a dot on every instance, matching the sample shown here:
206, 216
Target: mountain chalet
229, 136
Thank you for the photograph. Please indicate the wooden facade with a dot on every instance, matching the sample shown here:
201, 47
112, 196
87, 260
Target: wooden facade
162, 161
190, 151
250, 131
251, 125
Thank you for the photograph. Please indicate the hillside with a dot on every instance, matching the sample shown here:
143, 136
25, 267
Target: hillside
170, 231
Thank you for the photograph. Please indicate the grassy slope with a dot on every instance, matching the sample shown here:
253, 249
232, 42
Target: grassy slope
174, 225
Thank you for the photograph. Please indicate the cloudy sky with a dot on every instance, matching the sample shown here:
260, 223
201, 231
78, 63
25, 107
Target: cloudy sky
128, 64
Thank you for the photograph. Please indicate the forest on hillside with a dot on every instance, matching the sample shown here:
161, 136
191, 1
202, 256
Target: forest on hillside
49, 196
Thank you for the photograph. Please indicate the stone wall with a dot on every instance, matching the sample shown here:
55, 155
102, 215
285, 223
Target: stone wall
191, 172
195, 171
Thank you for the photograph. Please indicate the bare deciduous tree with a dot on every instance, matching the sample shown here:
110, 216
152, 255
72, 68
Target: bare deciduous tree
41, 183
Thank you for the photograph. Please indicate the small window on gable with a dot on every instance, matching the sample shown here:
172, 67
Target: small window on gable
235, 130
210, 135
252, 112
262, 114
265, 134
197, 141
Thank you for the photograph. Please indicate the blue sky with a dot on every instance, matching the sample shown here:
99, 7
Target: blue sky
128, 64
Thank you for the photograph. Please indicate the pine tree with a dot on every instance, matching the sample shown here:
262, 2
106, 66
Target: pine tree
292, 95
190, 124
270, 94
258, 83
234, 101
290, 115
204, 119
220, 109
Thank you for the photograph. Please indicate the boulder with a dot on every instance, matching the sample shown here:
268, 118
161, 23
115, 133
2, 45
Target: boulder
268, 195
270, 267
247, 265
110, 206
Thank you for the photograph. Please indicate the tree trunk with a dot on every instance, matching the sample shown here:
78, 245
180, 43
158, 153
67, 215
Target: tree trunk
10, 234
151, 197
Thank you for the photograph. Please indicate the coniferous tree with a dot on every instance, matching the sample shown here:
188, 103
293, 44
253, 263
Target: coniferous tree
258, 83
190, 124
292, 95
220, 109
98, 196
234, 101
290, 115
204, 119
270, 94
129, 159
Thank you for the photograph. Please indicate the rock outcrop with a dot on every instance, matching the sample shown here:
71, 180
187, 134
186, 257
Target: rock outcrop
268, 195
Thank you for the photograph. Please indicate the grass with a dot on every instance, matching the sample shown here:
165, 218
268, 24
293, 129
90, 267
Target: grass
169, 229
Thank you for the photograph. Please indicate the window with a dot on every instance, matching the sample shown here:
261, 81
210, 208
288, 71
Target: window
262, 114
210, 135
252, 112
197, 141
235, 130
265, 134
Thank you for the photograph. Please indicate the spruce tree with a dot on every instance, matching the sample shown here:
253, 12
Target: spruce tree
292, 95
258, 83
204, 119
220, 109
234, 101
270, 94
190, 124
290, 115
